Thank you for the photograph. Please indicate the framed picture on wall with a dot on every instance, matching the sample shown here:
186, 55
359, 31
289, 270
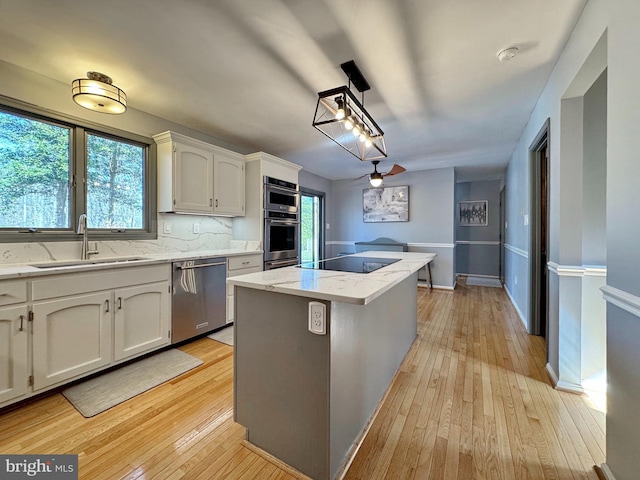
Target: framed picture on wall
386, 204
474, 213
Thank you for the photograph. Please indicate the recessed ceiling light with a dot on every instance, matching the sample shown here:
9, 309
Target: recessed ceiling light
507, 54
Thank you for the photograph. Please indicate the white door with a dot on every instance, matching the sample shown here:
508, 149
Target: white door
71, 336
141, 320
13, 353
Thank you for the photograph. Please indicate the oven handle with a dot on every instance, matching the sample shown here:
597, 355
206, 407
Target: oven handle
282, 221
278, 188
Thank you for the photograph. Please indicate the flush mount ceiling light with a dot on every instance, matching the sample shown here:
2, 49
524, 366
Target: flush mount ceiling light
343, 118
507, 54
96, 92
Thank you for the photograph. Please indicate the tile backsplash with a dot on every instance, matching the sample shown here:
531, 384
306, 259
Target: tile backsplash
215, 233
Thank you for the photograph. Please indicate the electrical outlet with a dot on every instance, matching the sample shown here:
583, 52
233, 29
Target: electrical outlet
167, 227
317, 318
196, 227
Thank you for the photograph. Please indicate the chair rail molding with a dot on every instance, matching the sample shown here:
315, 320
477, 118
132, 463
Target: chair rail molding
624, 300
516, 250
577, 270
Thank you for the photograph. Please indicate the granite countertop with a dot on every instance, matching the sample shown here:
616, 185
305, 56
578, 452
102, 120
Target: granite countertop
24, 270
345, 287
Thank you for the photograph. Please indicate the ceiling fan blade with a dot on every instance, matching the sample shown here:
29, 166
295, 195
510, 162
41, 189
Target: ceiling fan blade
396, 169
361, 176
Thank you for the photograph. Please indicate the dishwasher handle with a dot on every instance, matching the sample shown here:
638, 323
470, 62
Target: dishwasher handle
200, 265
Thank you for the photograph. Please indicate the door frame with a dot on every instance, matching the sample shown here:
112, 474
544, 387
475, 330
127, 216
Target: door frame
539, 282
321, 233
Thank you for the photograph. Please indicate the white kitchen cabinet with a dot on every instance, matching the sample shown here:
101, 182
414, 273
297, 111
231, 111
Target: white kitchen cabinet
71, 337
192, 179
14, 358
239, 265
197, 177
141, 319
228, 185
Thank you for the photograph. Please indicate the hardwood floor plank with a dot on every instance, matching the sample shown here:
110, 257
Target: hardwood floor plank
471, 401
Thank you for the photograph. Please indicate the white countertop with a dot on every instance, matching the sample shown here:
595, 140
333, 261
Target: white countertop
17, 270
345, 287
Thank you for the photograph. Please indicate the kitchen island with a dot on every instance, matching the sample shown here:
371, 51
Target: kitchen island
307, 398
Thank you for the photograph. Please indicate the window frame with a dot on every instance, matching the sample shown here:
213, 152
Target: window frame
80, 128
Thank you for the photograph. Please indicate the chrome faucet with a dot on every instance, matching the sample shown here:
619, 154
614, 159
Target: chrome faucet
82, 230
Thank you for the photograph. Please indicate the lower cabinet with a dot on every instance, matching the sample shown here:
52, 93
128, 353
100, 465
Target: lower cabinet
76, 324
71, 336
239, 265
141, 319
14, 358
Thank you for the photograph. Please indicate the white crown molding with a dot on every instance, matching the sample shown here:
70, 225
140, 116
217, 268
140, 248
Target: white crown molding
624, 300
516, 250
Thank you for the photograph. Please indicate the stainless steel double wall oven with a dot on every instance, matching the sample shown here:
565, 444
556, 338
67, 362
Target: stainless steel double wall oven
281, 223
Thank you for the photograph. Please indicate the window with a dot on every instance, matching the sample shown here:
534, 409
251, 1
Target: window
52, 170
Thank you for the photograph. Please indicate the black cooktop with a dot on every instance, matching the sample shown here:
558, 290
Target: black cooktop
350, 264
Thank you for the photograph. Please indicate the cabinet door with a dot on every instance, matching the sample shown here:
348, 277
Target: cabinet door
142, 319
193, 179
71, 336
13, 353
228, 185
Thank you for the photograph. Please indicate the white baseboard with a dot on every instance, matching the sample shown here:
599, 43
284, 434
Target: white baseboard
561, 384
439, 287
607, 472
515, 305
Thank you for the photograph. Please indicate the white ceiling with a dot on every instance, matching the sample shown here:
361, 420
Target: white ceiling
248, 71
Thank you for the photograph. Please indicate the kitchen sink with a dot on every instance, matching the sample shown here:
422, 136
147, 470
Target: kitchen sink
93, 261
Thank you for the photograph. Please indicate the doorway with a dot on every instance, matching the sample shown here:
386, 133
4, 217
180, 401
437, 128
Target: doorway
311, 225
539, 159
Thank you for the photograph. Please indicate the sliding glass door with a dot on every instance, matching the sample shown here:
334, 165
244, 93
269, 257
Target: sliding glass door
311, 225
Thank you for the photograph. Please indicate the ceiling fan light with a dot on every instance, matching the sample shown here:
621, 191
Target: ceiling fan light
375, 179
96, 92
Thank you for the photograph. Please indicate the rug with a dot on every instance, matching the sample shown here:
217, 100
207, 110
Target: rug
225, 335
110, 389
484, 282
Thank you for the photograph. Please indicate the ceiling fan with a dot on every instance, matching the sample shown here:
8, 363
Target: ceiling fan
375, 177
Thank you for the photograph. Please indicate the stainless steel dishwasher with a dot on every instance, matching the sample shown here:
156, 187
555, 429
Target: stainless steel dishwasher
199, 297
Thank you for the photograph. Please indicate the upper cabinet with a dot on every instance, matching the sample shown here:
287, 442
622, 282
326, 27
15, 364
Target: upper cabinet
197, 177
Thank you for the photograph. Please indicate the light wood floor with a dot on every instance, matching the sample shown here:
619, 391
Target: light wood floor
472, 401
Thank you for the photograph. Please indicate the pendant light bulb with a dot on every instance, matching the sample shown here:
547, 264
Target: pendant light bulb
348, 123
340, 113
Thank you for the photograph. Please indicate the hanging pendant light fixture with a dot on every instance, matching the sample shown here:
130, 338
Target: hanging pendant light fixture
343, 118
97, 92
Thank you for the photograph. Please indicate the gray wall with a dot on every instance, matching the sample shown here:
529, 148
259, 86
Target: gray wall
431, 218
618, 21
477, 247
594, 174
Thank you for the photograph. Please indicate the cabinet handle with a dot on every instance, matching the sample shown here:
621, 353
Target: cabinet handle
119, 303
107, 302
246, 263
216, 203
211, 202
21, 323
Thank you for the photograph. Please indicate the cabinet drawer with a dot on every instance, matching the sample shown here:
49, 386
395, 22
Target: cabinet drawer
13, 292
245, 261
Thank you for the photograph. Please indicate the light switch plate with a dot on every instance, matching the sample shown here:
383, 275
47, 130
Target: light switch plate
166, 227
